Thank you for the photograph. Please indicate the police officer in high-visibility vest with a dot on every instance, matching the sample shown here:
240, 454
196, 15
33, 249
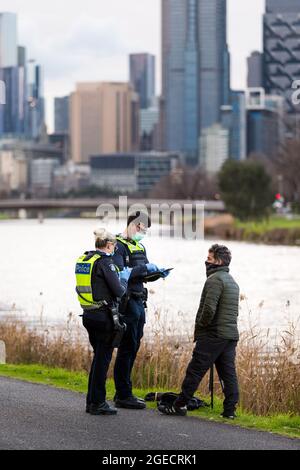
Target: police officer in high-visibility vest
132, 254
99, 287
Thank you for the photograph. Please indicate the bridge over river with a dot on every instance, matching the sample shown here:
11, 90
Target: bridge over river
92, 205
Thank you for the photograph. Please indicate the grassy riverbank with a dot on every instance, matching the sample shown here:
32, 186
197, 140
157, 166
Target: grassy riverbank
77, 382
271, 224
269, 377
277, 230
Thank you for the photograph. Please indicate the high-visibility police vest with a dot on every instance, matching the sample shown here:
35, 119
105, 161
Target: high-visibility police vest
136, 252
84, 270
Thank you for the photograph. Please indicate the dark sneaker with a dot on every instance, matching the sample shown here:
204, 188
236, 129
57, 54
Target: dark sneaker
87, 408
227, 415
131, 403
102, 409
170, 405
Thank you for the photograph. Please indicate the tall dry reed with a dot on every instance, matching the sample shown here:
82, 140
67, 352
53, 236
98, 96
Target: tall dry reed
269, 376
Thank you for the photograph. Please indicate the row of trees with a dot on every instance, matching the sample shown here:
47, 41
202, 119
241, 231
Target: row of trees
248, 188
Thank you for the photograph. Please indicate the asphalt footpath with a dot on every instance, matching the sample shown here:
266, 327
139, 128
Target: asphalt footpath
37, 417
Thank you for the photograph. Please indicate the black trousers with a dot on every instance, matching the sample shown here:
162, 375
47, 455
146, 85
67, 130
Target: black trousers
99, 328
134, 317
209, 351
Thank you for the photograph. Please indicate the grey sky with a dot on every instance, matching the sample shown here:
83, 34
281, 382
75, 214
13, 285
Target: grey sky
91, 39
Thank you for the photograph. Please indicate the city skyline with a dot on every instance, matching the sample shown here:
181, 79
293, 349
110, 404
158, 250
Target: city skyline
72, 54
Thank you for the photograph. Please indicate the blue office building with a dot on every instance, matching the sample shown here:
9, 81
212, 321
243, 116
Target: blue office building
195, 70
62, 115
142, 77
13, 113
264, 122
35, 118
234, 119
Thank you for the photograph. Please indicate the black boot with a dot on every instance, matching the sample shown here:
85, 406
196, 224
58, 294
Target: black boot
102, 409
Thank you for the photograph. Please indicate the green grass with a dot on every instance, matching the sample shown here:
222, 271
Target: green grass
268, 225
77, 382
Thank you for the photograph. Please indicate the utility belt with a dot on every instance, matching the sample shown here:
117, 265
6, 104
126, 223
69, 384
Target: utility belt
143, 296
117, 319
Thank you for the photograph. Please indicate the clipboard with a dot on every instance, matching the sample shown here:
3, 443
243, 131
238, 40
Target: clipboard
157, 275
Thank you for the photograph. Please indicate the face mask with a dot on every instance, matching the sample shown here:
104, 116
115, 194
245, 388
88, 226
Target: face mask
138, 237
211, 266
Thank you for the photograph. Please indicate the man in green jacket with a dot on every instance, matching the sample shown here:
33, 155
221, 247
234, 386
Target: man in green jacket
216, 333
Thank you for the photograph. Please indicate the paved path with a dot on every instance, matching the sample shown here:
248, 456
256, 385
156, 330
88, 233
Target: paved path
39, 417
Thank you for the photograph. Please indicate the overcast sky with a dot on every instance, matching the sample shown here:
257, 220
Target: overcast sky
91, 39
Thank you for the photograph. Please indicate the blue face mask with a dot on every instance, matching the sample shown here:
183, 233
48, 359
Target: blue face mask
138, 237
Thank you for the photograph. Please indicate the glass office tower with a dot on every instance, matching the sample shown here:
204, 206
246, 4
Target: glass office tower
195, 70
282, 49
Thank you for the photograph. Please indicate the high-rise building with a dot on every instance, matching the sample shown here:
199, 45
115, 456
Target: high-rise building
149, 121
195, 70
234, 119
142, 78
22, 56
13, 75
13, 113
214, 148
61, 112
255, 70
35, 120
104, 118
8, 40
264, 122
23, 113
282, 48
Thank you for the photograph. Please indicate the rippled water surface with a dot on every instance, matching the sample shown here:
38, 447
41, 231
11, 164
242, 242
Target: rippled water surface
37, 274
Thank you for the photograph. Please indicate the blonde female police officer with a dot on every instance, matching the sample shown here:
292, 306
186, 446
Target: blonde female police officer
99, 286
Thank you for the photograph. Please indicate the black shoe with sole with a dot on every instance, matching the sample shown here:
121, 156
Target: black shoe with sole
102, 409
132, 396
227, 415
131, 403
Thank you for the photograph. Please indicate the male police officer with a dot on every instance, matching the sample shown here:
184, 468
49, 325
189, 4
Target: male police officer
99, 286
131, 253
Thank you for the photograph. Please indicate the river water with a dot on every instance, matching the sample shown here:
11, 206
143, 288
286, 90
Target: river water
37, 274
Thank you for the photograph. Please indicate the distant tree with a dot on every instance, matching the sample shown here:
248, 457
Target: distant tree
245, 188
287, 168
185, 183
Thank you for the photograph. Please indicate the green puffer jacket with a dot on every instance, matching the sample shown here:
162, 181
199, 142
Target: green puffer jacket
219, 306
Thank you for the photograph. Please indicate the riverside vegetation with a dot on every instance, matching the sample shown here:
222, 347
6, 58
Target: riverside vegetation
276, 230
269, 378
